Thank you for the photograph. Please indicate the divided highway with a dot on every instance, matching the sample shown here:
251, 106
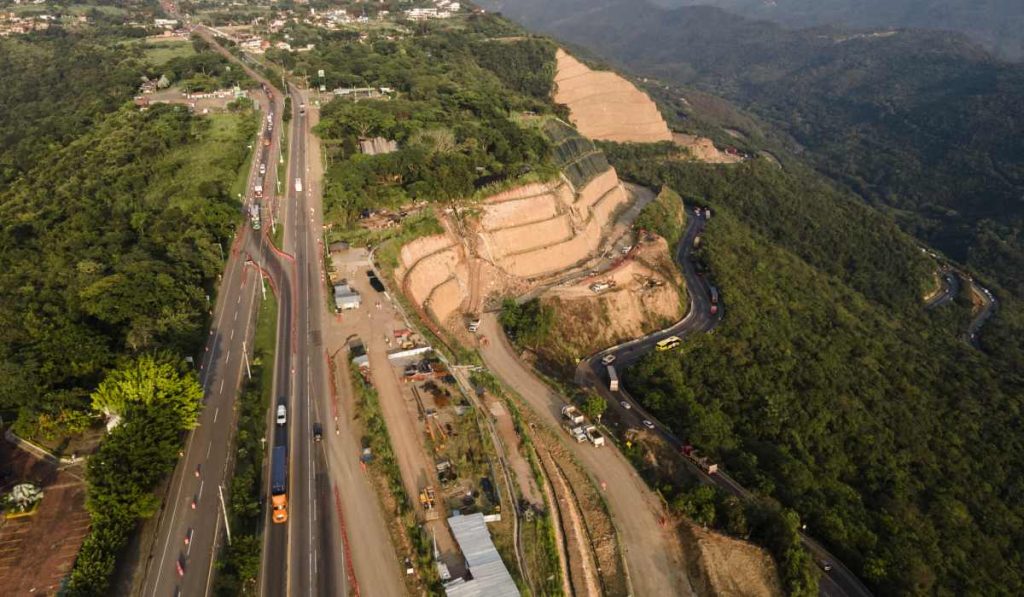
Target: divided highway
181, 557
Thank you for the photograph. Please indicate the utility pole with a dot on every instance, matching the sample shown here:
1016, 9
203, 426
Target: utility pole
224, 509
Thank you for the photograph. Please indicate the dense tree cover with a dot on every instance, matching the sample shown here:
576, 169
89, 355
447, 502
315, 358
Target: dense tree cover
528, 324
204, 71
797, 209
55, 87
921, 122
452, 120
133, 458
896, 443
147, 381
664, 216
110, 245
525, 65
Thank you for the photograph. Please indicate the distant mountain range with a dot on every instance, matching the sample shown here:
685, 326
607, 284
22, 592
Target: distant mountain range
996, 24
926, 124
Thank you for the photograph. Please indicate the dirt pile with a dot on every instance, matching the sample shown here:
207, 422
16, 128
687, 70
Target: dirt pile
605, 106
727, 566
704, 150
643, 294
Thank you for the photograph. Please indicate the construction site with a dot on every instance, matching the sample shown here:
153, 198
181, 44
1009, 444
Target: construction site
462, 446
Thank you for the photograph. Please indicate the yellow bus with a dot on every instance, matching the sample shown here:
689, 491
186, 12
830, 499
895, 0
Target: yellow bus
668, 343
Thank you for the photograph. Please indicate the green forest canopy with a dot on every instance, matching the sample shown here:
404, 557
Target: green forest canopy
829, 387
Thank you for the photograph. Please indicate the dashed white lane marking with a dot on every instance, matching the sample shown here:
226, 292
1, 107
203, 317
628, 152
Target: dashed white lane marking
215, 413
221, 390
208, 448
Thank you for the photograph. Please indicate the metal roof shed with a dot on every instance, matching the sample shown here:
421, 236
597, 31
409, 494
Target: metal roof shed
490, 578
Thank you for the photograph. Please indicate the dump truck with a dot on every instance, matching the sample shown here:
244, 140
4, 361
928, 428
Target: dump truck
702, 462
279, 484
613, 379
572, 414
595, 436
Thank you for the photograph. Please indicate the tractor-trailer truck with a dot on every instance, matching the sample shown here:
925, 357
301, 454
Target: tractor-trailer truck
613, 379
279, 484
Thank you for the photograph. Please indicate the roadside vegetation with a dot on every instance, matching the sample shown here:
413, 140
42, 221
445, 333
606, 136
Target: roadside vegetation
115, 226
450, 112
397, 502
829, 387
239, 565
664, 216
155, 399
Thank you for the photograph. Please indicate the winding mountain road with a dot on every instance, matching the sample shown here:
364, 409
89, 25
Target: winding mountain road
840, 581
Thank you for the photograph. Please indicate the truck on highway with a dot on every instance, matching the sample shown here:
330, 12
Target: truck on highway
279, 484
572, 414
254, 215
613, 379
298, 185
701, 461
257, 190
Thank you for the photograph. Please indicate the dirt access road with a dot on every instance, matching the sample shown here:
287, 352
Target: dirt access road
652, 552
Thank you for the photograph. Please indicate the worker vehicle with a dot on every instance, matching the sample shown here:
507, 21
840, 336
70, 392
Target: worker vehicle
668, 343
595, 436
279, 484
572, 414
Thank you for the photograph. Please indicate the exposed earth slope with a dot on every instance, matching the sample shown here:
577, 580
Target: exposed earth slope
605, 106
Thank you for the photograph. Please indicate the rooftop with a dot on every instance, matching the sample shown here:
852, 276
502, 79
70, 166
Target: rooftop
490, 578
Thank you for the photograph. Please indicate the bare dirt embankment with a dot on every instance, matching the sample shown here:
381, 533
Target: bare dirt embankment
703, 149
643, 296
605, 106
519, 239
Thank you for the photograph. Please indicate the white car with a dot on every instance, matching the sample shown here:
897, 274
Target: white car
282, 414
648, 424
608, 359
625, 405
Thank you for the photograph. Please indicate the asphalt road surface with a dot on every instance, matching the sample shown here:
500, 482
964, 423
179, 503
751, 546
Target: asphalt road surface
840, 580
188, 530
988, 307
950, 288
651, 551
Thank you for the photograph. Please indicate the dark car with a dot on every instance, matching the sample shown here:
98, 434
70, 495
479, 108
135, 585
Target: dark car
318, 432
375, 281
